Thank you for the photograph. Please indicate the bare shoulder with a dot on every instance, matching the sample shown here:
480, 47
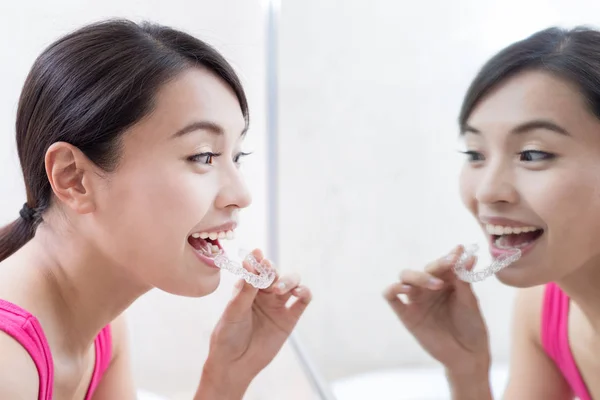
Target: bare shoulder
19, 377
119, 335
117, 383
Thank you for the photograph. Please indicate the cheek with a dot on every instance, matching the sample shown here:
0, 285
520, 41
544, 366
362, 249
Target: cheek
149, 213
563, 198
568, 202
467, 184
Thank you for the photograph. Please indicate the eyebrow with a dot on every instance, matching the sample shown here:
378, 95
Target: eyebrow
207, 126
524, 128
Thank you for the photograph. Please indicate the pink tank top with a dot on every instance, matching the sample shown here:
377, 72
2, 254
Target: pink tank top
26, 330
555, 338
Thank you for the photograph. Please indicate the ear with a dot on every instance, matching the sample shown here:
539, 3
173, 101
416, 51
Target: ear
72, 176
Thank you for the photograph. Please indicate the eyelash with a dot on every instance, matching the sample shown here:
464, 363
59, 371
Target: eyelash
545, 156
209, 157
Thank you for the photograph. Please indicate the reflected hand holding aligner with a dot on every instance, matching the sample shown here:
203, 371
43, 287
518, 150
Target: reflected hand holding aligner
497, 264
265, 276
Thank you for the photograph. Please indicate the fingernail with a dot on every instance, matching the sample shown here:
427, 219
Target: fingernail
281, 285
434, 283
406, 288
297, 290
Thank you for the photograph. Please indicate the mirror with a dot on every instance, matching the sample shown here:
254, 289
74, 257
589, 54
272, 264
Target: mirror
368, 171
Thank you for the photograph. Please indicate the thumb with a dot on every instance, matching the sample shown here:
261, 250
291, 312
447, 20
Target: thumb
464, 290
242, 300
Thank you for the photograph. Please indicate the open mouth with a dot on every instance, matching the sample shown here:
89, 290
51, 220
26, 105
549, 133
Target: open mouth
207, 247
207, 243
513, 237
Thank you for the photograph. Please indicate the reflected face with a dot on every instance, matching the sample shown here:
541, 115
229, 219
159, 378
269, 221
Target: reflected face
178, 178
532, 176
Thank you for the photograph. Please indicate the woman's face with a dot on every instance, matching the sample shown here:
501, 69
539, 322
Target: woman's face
532, 177
178, 176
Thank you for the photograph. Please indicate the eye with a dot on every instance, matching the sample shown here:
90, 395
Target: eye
535, 155
473, 156
204, 158
239, 156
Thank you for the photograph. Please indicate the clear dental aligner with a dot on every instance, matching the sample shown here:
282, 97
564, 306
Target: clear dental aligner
496, 265
263, 280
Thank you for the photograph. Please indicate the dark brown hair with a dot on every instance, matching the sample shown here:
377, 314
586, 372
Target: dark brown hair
89, 87
573, 55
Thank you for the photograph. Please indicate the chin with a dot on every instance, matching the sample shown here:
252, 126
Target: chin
520, 276
196, 286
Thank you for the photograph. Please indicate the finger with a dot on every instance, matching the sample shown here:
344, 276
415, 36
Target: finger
257, 264
258, 254
441, 265
396, 289
471, 262
265, 267
303, 299
421, 279
465, 294
285, 284
242, 300
391, 294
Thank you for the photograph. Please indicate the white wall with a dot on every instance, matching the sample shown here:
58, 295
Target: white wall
370, 93
169, 334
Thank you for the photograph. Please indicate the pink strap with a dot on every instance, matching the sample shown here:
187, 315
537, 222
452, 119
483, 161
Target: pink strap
26, 329
555, 338
103, 346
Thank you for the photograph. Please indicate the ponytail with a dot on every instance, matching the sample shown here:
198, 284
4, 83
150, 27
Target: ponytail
16, 234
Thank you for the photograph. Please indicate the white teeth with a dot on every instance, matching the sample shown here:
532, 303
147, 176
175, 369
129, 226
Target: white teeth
215, 249
507, 230
214, 235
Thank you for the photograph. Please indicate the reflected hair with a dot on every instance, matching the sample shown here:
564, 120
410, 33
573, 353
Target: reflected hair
572, 54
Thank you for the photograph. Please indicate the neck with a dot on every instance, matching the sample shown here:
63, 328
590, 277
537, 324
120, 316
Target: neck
582, 288
85, 291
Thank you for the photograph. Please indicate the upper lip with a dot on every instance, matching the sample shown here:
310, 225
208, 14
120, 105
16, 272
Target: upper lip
228, 226
500, 221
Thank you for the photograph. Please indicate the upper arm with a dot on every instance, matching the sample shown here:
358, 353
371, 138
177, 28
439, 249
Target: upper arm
117, 382
19, 378
533, 375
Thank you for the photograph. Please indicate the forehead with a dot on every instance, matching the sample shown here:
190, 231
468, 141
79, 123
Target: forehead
195, 95
531, 95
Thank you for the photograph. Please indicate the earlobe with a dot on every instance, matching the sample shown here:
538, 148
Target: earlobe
70, 174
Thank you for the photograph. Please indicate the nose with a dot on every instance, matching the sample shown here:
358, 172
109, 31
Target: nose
496, 185
234, 192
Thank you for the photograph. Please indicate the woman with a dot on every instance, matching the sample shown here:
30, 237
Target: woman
130, 137
531, 127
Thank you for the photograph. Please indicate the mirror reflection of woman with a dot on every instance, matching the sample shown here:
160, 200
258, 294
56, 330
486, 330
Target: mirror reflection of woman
530, 124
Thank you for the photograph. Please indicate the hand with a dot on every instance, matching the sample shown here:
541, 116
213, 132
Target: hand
443, 314
254, 327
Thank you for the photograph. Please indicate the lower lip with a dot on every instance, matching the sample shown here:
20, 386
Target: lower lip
206, 260
498, 252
